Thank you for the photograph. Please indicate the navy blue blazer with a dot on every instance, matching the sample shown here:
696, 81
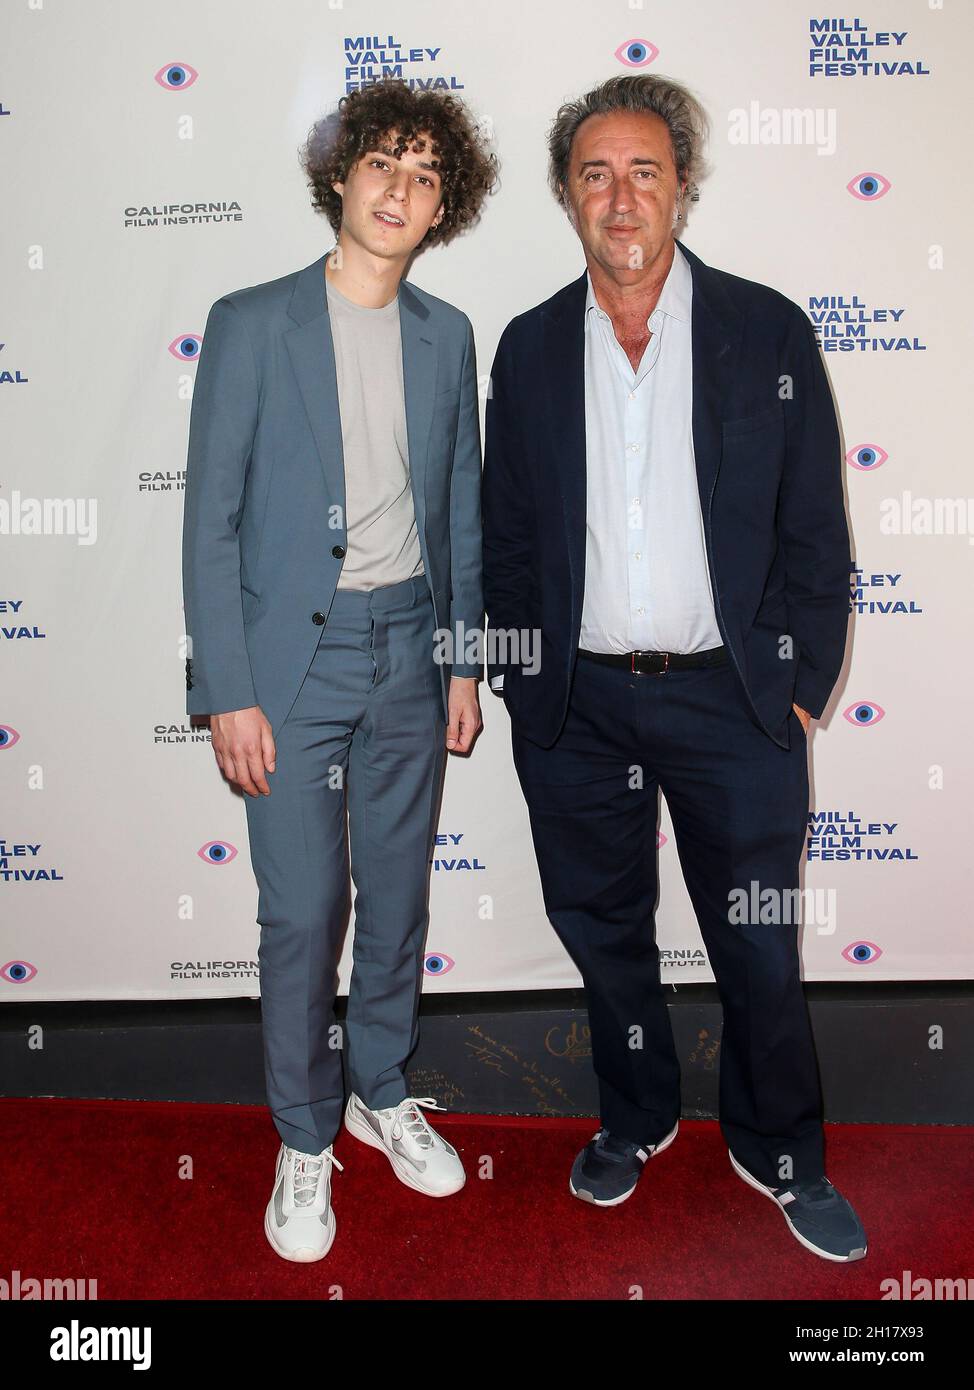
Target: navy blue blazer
769, 472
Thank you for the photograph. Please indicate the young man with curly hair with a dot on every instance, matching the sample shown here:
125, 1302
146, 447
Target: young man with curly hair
331, 526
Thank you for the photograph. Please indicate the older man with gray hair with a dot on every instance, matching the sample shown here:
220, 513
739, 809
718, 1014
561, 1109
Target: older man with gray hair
663, 503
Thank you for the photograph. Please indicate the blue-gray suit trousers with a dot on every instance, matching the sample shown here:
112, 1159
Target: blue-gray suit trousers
368, 720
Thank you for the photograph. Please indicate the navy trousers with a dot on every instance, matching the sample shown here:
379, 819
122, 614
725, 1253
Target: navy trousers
357, 786
739, 807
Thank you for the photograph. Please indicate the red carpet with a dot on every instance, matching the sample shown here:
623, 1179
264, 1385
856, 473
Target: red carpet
91, 1189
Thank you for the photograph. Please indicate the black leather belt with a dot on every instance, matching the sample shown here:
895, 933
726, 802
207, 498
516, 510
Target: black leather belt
657, 663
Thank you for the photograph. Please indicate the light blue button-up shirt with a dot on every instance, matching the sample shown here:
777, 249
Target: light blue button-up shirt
647, 585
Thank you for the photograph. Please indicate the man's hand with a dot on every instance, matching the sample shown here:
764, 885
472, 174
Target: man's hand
803, 715
244, 748
465, 718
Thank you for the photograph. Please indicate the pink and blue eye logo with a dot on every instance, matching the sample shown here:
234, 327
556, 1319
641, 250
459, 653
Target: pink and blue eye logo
436, 963
864, 713
17, 972
636, 53
217, 852
176, 77
868, 187
862, 953
186, 347
8, 737
866, 457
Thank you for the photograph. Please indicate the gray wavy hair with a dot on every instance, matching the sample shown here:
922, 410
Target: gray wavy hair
685, 119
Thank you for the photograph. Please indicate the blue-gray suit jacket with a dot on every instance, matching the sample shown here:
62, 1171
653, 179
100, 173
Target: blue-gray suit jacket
264, 515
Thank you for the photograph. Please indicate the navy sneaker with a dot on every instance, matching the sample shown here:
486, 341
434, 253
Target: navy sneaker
606, 1171
817, 1214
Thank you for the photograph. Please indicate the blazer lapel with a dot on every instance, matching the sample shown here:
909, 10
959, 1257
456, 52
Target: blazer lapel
312, 354
563, 346
715, 331
419, 387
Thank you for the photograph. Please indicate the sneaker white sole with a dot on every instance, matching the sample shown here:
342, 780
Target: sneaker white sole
856, 1254
303, 1254
615, 1201
403, 1171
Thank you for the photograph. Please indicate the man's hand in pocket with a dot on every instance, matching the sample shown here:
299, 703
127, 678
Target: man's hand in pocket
803, 715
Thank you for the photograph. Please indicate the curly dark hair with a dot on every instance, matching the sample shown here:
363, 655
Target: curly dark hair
363, 121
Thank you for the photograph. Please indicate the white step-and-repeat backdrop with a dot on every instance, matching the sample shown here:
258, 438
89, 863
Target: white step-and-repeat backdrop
150, 165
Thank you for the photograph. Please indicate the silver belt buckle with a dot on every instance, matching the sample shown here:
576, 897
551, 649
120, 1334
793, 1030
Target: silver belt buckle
666, 663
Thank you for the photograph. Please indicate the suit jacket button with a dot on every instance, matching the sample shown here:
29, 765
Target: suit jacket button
317, 619
338, 551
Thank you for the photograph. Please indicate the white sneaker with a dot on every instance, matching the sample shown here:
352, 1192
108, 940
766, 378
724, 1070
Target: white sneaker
419, 1157
299, 1221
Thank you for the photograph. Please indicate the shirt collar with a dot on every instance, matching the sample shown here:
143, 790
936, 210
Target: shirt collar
674, 298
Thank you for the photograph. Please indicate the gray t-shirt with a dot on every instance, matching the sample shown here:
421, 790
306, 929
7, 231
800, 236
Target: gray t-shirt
382, 545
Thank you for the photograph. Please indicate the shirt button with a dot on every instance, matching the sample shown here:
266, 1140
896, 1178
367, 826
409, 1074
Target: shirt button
637, 556
338, 551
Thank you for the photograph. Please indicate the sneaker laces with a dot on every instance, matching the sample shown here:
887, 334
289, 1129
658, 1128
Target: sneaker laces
607, 1146
818, 1193
307, 1172
411, 1121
